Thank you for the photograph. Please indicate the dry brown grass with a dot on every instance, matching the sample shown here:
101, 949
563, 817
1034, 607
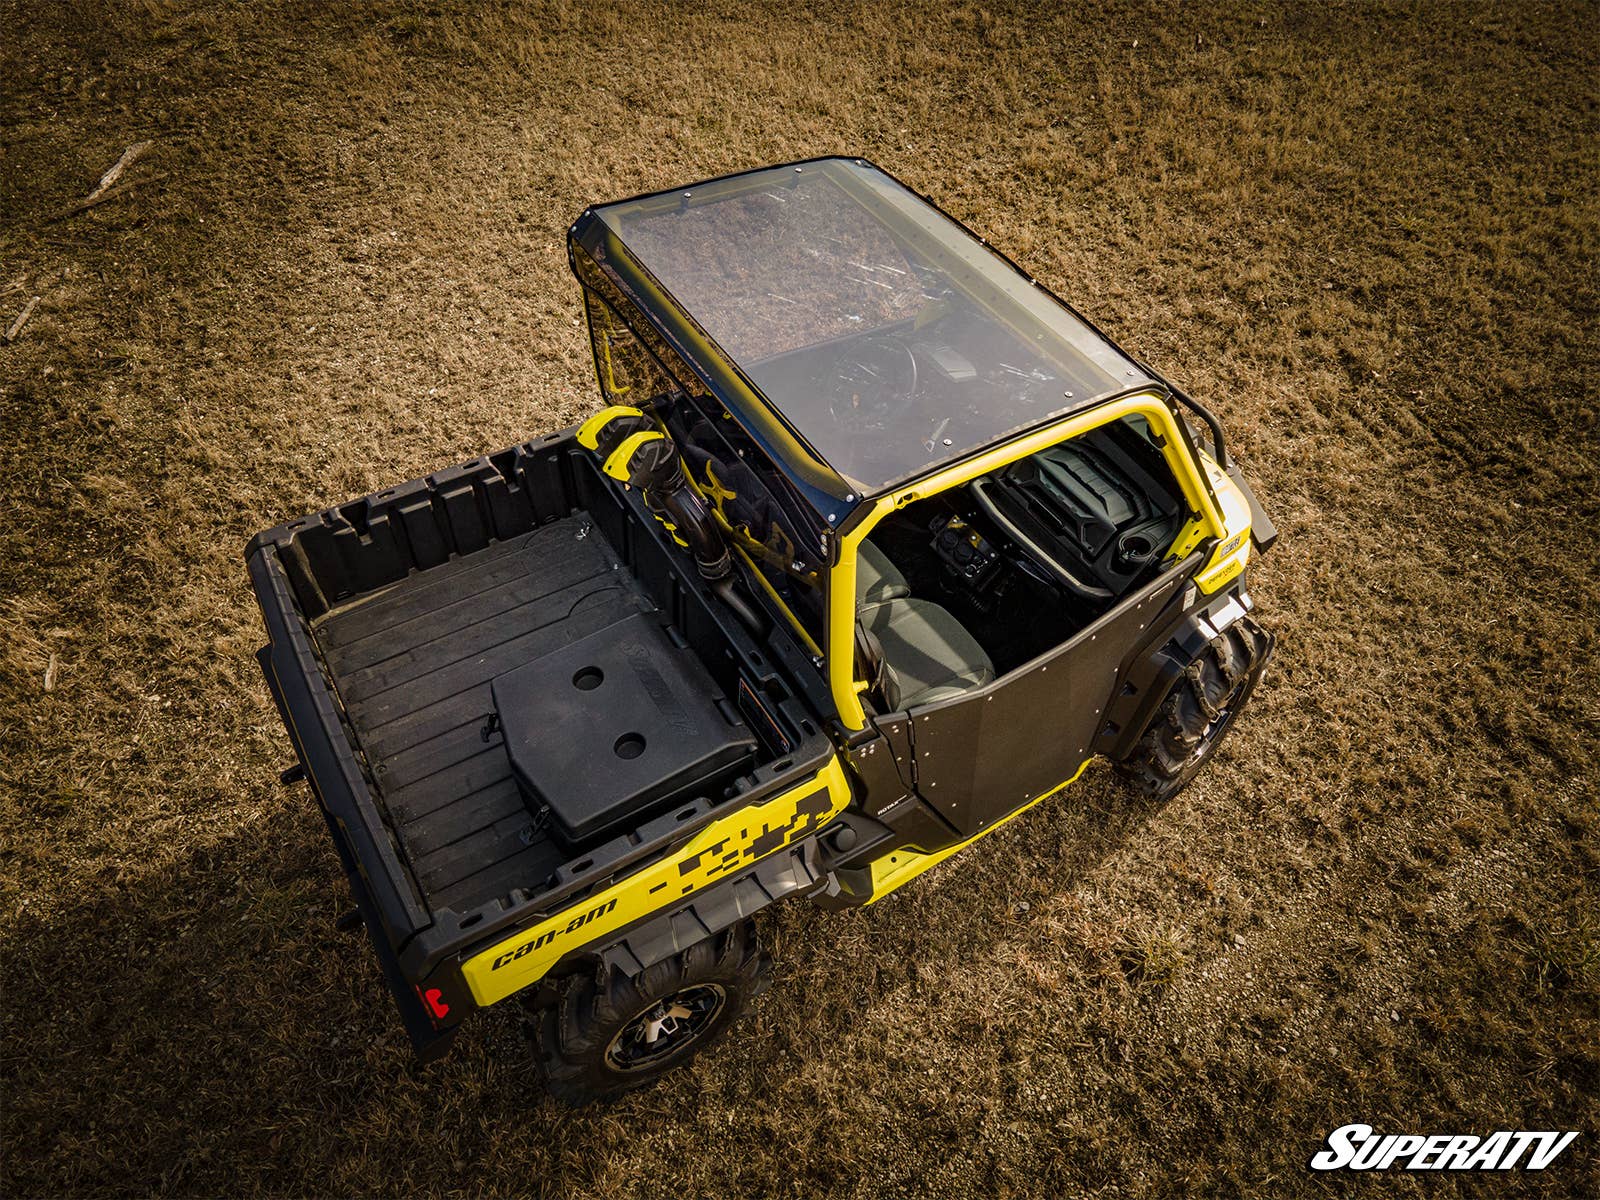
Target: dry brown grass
1367, 235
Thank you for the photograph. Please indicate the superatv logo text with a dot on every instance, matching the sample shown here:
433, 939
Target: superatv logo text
1358, 1148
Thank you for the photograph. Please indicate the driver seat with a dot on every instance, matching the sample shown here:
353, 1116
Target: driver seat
877, 579
927, 654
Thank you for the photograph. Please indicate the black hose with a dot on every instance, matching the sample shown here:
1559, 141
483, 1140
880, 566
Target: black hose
746, 612
656, 469
658, 473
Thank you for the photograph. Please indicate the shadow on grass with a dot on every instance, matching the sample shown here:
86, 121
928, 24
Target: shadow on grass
183, 1031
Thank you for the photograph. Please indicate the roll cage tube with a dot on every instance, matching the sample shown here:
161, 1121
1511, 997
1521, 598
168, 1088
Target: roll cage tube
1219, 447
839, 633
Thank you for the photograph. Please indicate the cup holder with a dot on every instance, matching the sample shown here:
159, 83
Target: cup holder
1135, 548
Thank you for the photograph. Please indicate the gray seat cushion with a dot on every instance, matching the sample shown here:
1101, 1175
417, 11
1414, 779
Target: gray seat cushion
928, 655
877, 579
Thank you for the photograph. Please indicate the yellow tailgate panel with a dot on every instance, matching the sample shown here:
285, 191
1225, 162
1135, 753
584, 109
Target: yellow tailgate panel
720, 849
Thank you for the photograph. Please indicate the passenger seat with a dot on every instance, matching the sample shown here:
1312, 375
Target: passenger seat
928, 655
877, 579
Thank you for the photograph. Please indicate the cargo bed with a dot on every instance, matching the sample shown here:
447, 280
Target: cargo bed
413, 664
389, 620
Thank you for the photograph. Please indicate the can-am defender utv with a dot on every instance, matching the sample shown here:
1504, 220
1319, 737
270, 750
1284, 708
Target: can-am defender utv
875, 544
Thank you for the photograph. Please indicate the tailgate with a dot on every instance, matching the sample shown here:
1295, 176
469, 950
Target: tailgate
383, 892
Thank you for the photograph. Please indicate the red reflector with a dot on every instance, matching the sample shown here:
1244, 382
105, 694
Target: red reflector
433, 999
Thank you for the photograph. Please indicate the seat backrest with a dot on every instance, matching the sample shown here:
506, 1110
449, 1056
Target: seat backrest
928, 655
877, 579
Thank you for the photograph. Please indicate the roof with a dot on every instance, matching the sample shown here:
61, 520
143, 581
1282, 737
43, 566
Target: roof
862, 335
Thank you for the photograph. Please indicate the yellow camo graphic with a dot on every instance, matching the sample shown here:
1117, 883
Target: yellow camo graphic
722, 848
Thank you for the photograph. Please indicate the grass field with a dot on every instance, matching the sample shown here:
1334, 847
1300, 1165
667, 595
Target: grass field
1366, 234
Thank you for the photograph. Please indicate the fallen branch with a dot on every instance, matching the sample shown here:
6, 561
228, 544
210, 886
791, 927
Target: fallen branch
129, 156
22, 319
104, 197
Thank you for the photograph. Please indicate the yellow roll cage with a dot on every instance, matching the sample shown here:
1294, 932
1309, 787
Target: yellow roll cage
840, 599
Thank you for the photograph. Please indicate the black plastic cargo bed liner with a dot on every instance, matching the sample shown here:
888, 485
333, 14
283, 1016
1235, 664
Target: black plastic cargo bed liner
413, 663
388, 618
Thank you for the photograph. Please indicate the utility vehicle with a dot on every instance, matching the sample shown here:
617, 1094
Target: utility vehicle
874, 544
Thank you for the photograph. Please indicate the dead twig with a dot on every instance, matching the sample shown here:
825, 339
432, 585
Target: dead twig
22, 319
50, 672
129, 156
104, 197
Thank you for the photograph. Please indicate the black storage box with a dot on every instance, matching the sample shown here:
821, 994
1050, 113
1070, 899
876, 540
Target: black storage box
620, 723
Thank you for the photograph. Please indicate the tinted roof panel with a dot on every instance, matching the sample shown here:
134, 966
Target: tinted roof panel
880, 330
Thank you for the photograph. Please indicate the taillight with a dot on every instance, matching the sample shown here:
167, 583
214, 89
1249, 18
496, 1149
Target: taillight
433, 1000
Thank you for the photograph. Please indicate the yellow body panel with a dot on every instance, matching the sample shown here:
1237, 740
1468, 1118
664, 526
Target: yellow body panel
589, 431
840, 632
717, 851
902, 866
1233, 544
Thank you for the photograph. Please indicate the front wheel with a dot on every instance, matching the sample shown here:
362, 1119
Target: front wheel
1197, 713
609, 1033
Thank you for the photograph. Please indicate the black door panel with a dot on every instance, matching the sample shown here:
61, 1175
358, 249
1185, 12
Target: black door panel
987, 753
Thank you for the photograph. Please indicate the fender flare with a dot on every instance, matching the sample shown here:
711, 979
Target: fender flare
1148, 674
792, 872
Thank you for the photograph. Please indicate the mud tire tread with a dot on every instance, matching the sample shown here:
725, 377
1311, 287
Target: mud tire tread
1216, 683
571, 1035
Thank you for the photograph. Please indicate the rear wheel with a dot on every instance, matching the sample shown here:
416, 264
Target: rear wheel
609, 1033
1199, 710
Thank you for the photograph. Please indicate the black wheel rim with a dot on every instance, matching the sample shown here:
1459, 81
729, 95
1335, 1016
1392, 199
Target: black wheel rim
666, 1027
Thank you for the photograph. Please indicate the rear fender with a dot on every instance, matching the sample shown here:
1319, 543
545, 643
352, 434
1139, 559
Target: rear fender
712, 856
792, 873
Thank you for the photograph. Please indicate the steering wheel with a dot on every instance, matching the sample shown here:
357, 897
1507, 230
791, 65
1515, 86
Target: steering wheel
978, 490
872, 383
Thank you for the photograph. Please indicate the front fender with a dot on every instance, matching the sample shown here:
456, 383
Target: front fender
1148, 675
